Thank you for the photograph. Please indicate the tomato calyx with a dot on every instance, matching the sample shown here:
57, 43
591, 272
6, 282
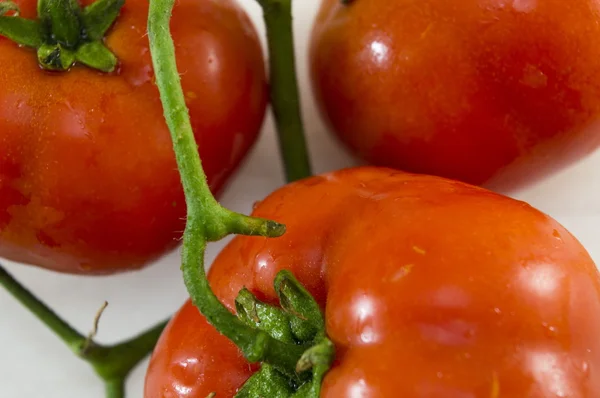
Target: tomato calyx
298, 322
64, 33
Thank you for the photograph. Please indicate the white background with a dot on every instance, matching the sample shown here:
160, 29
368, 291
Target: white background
33, 363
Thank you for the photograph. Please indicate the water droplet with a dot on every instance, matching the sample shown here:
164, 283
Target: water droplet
263, 261
497, 310
368, 335
585, 368
379, 51
551, 331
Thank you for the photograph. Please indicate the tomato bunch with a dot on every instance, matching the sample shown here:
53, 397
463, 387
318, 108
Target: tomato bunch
404, 285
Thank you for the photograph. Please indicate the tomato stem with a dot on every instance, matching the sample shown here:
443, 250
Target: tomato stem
112, 363
115, 362
115, 389
285, 97
277, 341
62, 329
206, 220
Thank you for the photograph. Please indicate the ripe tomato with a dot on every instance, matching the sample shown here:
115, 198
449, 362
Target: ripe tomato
500, 92
430, 287
88, 180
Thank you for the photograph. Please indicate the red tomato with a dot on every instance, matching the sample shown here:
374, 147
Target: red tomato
88, 180
500, 92
430, 287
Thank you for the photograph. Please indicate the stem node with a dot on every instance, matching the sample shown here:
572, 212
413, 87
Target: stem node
111, 363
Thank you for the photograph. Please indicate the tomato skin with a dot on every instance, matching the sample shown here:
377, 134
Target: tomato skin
194, 367
88, 179
430, 287
490, 92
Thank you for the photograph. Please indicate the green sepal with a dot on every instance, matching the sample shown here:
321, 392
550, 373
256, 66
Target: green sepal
299, 320
296, 300
321, 354
267, 382
95, 55
267, 318
25, 32
312, 389
99, 16
8, 6
55, 57
61, 19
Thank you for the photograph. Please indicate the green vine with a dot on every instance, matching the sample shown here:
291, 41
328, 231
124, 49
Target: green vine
300, 361
112, 363
285, 96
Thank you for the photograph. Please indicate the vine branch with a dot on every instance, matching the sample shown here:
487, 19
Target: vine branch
112, 363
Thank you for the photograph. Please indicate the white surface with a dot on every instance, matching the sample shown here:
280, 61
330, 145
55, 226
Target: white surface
33, 363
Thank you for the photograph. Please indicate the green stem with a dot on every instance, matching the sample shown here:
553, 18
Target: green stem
206, 219
71, 337
112, 363
285, 97
116, 362
115, 389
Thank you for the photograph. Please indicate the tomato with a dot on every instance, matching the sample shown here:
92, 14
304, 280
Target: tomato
430, 288
493, 92
88, 179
